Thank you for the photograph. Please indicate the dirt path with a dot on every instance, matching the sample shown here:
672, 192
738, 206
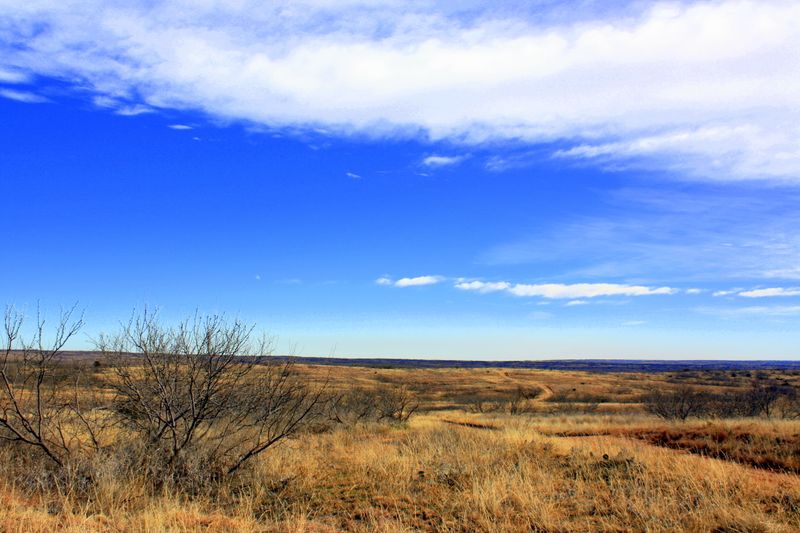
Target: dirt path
546, 393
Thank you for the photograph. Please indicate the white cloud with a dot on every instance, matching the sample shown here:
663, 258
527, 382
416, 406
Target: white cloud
586, 290
410, 282
725, 151
725, 292
483, 286
352, 175
23, 96
695, 291
773, 291
134, 110
179, 127
560, 290
441, 160
418, 281
709, 88
573, 303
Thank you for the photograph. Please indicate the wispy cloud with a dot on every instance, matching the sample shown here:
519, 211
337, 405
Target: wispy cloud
442, 160
561, 290
769, 292
134, 110
483, 286
573, 303
656, 84
726, 151
725, 292
699, 233
23, 96
12, 76
180, 127
417, 281
759, 293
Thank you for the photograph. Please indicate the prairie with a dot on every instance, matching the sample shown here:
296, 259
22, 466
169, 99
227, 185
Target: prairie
484, 449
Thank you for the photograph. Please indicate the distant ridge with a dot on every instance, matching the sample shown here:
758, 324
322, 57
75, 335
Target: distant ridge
586, 365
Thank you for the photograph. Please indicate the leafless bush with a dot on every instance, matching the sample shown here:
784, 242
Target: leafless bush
40, 406
764, 395
388, 403
352, 406
481, 405
204, 391
520, 401
788, 405
396, 403
679, 403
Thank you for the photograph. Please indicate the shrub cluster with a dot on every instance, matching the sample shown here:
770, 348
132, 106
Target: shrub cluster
183, 405
764, 397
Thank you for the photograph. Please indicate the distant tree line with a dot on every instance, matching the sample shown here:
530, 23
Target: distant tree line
764, 397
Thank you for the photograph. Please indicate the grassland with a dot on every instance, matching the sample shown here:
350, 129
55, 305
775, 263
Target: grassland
579, 454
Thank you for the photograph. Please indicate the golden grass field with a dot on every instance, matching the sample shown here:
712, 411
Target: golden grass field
583, 456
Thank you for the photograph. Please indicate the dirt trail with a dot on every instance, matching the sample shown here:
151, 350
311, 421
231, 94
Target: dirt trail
546, 393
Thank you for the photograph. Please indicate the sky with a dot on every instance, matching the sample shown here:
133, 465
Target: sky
460, 180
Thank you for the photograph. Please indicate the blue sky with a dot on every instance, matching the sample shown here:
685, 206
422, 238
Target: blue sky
530, 180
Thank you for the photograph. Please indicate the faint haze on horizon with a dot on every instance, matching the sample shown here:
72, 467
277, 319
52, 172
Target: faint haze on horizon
519, 180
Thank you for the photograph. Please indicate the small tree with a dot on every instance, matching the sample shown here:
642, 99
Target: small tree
389, 403
520, 401
396, 403
204, 389
763, 396
680, 403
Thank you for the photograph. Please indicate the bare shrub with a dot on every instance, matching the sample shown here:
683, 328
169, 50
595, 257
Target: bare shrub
481, 405
521, 399
764, 395
40, 406
394, 403
352, 406
679, 403
202, 393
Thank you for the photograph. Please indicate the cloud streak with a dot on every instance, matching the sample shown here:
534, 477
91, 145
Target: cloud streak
23, 96
436, 161
418, 281
774, 291
699, 234
560, 290
709, 88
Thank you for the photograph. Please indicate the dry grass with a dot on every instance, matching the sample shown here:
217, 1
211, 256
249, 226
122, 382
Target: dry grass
452, 469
